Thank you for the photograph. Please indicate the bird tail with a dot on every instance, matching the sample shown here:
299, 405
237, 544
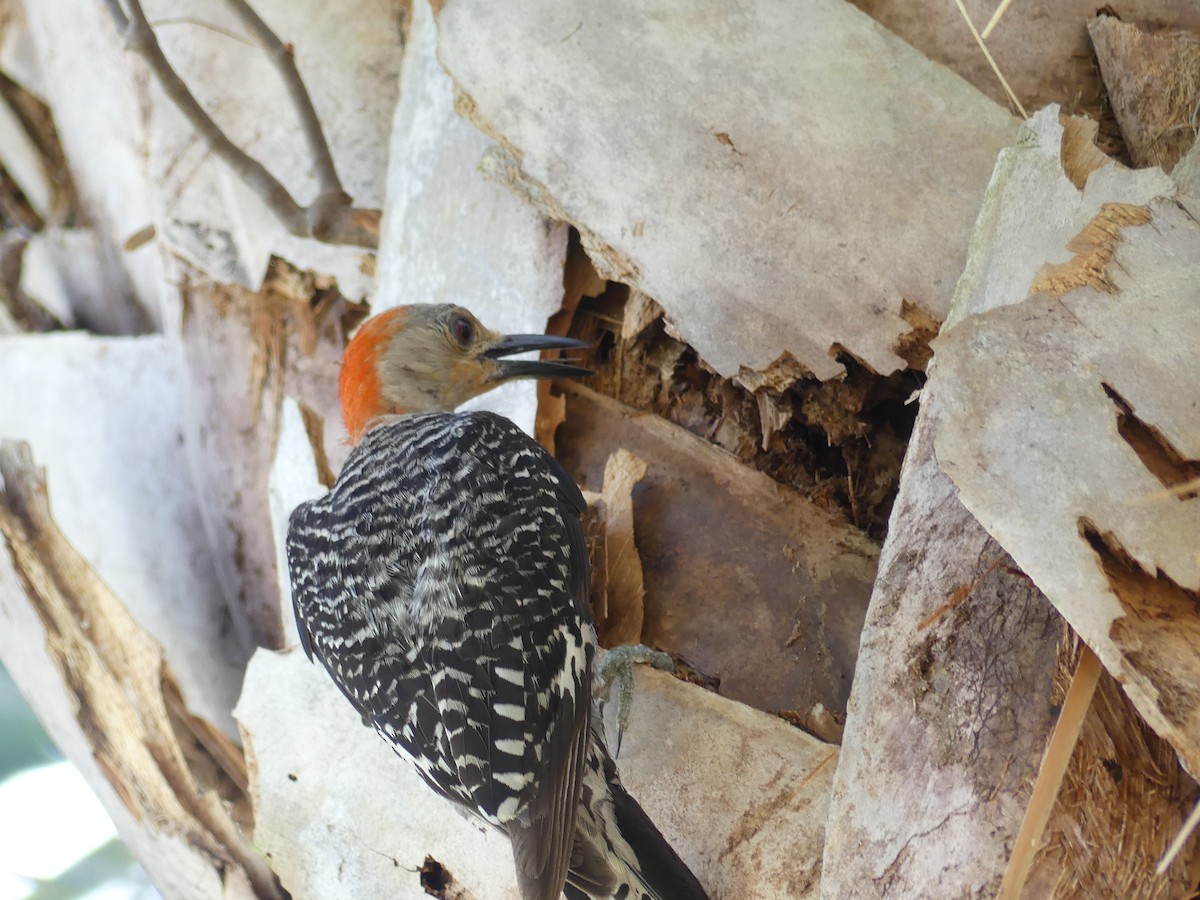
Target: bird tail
618, 846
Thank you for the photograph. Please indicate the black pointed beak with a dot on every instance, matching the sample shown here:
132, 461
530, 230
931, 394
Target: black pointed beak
511, 344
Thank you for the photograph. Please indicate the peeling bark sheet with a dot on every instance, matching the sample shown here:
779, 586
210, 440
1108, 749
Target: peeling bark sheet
100, 115
449, 235
137, 162
120, 492
1070, 412
777, 175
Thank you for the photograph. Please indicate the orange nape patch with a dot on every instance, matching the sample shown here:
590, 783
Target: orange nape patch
358, 384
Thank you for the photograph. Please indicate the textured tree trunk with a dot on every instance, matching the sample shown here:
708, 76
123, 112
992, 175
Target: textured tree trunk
951, 706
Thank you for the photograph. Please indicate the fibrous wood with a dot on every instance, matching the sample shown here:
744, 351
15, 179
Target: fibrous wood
1153, 81
175, 785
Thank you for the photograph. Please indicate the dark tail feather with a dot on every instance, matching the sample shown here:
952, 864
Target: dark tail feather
659, 865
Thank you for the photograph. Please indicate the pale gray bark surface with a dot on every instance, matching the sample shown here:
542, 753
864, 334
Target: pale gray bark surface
765, 171
951, 704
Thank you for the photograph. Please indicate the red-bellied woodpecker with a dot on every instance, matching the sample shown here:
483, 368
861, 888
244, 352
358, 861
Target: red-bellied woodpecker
443, 583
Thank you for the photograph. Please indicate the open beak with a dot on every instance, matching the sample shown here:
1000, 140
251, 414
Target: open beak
534, 368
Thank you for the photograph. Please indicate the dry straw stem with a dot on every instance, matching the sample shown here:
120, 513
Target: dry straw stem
1180, 839
330, 217
1123, 798
995, 19
1054, 767
1183, 490
988, 54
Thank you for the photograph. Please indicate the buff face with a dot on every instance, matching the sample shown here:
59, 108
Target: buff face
425, 358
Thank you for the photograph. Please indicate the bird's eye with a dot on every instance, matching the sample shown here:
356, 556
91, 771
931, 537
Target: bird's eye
464, 331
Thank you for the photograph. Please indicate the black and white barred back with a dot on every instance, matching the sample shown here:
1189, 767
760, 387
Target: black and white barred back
443, 583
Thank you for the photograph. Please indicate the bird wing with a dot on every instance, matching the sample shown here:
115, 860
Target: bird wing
443, 584
540, 673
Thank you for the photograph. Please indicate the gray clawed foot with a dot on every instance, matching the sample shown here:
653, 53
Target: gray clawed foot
617, 667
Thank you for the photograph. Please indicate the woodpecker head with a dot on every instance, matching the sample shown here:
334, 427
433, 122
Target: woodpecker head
425, 358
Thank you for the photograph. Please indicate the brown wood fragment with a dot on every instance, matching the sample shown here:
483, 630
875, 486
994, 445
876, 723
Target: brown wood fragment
551, 412
36, 120
580, 279
734, 564
1154, 449
774, 414
818, 721
780, 375
641, 311
1159, 633
314, 427
1080, 154
1153, 81
624, 585
913, 345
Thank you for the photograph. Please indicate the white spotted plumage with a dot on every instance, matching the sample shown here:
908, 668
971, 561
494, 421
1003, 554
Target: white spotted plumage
443, 583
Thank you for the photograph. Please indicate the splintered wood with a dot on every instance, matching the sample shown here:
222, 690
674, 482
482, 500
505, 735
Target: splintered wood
1061, 374
1091, 358
181, 781
1071, 338
1093, 248
838, 443
580, 279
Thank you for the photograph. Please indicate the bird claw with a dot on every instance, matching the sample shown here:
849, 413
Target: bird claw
617, 667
